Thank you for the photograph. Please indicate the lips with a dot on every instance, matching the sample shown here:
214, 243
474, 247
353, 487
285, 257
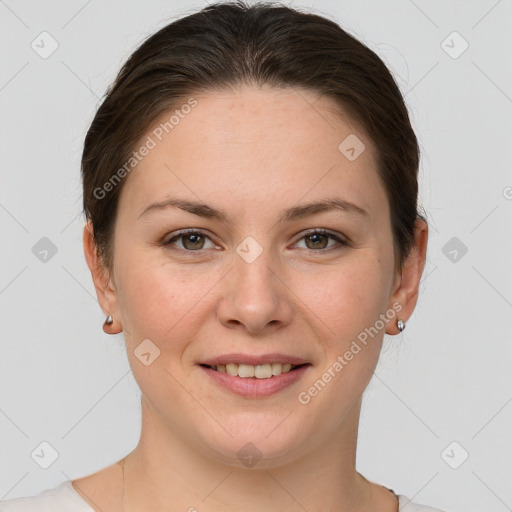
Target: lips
224, 370
253, 387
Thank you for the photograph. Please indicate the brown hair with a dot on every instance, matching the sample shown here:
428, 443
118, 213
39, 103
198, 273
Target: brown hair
231, 43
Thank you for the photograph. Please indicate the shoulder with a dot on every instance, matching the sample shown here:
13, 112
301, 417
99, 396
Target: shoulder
406, 505
62, 498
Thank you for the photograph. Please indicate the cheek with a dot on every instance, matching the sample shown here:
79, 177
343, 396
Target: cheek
146, 293
348, 297
150, 298
349, 303
162, 301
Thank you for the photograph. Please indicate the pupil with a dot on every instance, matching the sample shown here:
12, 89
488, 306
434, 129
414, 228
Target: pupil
316, 235
192, 237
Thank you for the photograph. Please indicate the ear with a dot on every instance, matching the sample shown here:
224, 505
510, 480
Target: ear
407, 282
107, 296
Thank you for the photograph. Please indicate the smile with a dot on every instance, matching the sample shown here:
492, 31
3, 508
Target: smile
260, 371
255, 381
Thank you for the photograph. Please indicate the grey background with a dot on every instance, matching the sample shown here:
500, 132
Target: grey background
446, 379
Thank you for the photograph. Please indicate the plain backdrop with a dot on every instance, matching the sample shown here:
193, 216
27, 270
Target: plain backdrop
437, 415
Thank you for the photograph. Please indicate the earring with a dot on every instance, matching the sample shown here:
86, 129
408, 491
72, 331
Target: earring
400, 324
108, 327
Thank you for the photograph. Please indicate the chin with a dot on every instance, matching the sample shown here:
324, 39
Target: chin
257, 444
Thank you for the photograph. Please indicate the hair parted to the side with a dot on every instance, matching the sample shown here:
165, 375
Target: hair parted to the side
229, 44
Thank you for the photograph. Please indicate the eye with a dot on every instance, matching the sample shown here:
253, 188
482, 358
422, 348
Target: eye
318, 237
194, 240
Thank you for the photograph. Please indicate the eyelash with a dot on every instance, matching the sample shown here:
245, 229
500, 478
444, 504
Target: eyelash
316, 231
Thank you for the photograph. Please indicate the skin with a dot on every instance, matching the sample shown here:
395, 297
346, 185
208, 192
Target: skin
264, 150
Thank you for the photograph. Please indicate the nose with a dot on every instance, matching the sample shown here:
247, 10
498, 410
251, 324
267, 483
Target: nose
256, 296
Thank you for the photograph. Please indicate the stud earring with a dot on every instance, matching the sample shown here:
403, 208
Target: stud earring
108, 327
400, 324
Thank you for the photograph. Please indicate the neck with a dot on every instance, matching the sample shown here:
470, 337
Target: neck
164, 470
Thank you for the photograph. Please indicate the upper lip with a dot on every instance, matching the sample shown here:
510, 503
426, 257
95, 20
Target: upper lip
254, 359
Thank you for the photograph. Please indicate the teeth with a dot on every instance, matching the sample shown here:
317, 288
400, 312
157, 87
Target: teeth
263, 371
260, 371
245, 370
232, 369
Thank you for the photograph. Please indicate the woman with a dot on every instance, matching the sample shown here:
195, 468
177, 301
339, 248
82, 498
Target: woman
250, 189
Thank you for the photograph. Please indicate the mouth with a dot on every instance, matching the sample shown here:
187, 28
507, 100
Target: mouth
259, 371
254, 381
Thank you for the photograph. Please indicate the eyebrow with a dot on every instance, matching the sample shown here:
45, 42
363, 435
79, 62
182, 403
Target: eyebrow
287, 215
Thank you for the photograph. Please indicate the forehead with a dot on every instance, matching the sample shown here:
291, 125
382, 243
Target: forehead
257, 145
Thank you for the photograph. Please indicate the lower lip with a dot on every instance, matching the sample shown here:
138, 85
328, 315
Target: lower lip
252, 387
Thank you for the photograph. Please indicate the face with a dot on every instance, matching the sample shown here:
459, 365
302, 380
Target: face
256, 282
